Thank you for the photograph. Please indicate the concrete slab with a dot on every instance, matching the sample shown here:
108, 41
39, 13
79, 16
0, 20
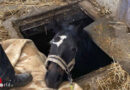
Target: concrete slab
113, 37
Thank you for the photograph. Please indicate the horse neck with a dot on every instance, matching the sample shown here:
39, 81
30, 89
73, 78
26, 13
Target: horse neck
87, 49
89, 57
83, 45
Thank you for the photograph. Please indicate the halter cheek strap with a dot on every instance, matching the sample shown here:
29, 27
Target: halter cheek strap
66, 67
56, 59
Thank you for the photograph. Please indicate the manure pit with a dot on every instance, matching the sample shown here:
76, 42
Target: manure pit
38, 27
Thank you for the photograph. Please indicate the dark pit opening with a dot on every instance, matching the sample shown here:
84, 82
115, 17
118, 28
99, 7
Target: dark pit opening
46, 33
43, 33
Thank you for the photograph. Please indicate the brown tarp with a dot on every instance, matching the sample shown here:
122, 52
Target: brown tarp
25, 57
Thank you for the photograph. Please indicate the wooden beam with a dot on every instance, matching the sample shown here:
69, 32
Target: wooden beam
89, 9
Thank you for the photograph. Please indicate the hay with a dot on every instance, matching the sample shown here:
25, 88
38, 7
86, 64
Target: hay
18, 8
21, 7
101, 9
3, 34
111, 77
31, 2
116, 79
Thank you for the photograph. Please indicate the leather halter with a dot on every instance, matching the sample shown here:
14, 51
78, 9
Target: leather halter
58, 60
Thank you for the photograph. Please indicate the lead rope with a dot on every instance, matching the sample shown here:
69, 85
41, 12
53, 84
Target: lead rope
70, 80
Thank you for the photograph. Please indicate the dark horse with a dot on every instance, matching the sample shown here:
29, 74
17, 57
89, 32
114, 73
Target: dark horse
71, 42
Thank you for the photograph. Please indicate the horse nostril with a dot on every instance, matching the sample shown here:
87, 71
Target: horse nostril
59, 78
51, 84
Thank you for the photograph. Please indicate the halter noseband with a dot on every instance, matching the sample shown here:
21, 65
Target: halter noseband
58, 60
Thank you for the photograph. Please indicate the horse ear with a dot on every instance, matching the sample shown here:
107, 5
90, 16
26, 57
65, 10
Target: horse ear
55, 26
77, 29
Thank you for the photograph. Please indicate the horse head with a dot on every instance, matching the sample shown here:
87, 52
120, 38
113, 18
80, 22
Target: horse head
61, 58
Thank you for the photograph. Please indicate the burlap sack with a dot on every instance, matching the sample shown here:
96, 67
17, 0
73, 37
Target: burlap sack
25, 57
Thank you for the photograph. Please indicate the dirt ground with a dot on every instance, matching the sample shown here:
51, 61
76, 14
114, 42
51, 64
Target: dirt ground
3, 34
19, 8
